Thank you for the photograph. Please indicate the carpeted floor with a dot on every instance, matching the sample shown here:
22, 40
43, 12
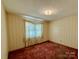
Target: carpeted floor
46, 50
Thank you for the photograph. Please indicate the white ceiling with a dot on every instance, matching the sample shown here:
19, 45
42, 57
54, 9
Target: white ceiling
34, 8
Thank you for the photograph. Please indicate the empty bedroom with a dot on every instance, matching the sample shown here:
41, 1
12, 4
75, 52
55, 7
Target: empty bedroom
39, 29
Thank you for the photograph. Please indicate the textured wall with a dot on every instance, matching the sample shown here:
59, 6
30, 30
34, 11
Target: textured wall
15, 26
64, 31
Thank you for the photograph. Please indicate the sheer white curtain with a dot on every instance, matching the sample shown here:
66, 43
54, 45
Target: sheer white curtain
33, 31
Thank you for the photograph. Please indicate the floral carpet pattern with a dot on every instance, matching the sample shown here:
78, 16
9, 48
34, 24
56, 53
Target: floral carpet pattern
46, 50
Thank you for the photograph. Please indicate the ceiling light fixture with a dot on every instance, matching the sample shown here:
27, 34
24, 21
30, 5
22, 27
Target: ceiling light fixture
48, 12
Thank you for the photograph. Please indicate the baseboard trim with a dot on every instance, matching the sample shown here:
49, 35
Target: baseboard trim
62, 45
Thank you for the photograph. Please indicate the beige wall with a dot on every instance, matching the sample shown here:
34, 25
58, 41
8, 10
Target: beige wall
46, 31
4, 46
15, 26
64, 31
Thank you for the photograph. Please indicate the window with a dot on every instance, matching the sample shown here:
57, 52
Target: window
33, 30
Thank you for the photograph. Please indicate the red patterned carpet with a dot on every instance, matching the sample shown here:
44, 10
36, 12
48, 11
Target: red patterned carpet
46, 50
